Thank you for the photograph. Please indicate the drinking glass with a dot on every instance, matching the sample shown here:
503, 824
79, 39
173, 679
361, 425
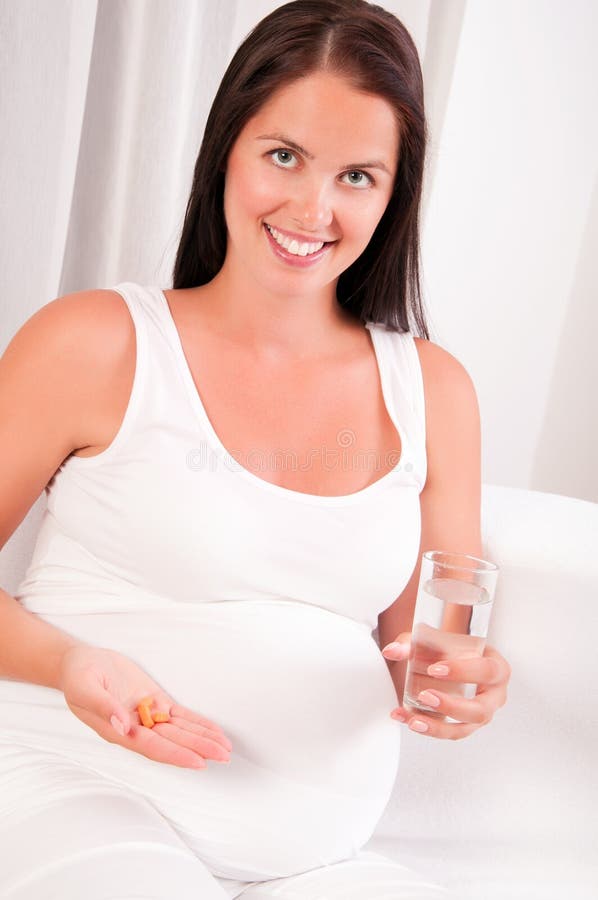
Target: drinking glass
452, 612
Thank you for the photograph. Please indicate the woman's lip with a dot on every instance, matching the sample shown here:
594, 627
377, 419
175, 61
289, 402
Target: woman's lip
300, 238
301, 262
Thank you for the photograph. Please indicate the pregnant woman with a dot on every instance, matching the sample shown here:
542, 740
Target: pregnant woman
241, 473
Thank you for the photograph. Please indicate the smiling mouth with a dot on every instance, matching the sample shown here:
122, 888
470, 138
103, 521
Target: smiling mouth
295, 247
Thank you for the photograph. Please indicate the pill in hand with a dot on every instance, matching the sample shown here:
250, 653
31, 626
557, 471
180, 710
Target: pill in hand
144, 709
145, 715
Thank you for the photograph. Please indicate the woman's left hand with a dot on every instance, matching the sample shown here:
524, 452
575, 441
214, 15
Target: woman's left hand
491, 672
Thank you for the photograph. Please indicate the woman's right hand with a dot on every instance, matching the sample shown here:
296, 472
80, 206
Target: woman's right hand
100, 684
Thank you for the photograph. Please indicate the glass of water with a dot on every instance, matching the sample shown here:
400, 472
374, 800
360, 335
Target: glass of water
452, 613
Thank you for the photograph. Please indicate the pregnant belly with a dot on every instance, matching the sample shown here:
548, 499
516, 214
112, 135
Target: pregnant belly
303, 694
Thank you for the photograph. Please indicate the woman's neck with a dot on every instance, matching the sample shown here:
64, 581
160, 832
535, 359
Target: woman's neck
299, 327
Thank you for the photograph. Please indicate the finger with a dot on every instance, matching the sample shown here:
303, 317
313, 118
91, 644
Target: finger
203, 744
472, 670
191, 716
435, 728
214, 742
502, 662
141, 740
153, 743
477, 710
400, 648
106, 706
494, 695
217, 736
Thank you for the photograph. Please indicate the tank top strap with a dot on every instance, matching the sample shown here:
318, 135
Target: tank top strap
146, 307
154, 326
158, 400
400, 370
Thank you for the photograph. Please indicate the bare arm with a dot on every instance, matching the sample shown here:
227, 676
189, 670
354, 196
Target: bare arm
53, 375
30, 649
450, 502
58, 380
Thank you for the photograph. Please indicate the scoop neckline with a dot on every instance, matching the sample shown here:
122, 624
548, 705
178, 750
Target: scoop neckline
247, 474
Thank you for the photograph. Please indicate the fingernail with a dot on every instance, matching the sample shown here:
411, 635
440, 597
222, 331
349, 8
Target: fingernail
117, 725
428, 698
438, 670
417, 725
395, 649
399, 716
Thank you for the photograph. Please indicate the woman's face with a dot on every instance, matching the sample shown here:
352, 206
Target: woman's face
315, 164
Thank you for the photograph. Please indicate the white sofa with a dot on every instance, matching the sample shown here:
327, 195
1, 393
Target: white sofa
511, 812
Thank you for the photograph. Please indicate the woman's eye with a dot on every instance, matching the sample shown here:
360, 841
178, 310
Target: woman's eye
363, 180
358, 179
283, 158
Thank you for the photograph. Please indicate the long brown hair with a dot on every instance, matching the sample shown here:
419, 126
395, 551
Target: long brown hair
373, 50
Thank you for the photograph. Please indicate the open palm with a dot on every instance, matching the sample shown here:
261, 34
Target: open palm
99, 684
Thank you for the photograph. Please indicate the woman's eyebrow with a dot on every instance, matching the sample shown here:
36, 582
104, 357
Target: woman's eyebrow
284, 139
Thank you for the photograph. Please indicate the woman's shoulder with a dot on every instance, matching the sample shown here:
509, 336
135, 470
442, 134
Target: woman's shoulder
100, 334
60, 385
450, 501
440, 369
451, 409
89, 340
95, 317
442, 372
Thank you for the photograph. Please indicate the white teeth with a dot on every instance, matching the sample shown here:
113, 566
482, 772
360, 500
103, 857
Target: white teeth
293, 246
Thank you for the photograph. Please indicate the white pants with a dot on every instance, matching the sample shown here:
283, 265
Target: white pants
68, 834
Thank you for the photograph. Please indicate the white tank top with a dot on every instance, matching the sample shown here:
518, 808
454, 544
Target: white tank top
165, 515
251, 604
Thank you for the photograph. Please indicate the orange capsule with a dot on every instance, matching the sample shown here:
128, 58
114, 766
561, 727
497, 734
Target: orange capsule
161, 717
145, 715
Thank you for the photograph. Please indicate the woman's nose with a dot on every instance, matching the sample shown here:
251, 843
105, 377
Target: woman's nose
312, 209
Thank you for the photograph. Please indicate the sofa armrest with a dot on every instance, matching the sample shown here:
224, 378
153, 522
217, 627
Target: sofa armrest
528, 774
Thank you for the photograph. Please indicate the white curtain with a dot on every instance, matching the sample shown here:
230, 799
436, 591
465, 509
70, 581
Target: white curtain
102, 108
